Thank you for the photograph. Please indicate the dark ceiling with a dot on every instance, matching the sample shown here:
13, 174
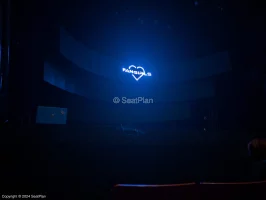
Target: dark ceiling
169, 31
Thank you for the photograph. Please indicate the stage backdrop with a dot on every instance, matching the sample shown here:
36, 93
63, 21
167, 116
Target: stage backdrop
87, 110
162, 101
102, 83
96, 87
106, 66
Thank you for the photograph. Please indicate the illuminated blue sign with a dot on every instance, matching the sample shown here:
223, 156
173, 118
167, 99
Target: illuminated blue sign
137, 72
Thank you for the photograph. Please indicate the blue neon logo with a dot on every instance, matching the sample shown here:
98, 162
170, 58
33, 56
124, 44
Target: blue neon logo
137, 72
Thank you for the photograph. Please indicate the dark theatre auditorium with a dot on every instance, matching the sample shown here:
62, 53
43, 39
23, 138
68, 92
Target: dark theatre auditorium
123, 100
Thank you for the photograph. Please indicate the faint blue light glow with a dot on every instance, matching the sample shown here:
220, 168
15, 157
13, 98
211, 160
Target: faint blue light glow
165, 185
133, 185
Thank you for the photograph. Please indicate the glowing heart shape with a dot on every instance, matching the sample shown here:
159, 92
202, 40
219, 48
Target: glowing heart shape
143, 72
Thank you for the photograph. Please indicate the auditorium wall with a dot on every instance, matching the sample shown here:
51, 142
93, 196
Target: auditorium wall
169, 102
99, 84
89, 111
57, 78
106, 66
96, 87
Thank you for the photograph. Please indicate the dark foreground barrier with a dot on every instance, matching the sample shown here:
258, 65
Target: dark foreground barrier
164, 192
217, 191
